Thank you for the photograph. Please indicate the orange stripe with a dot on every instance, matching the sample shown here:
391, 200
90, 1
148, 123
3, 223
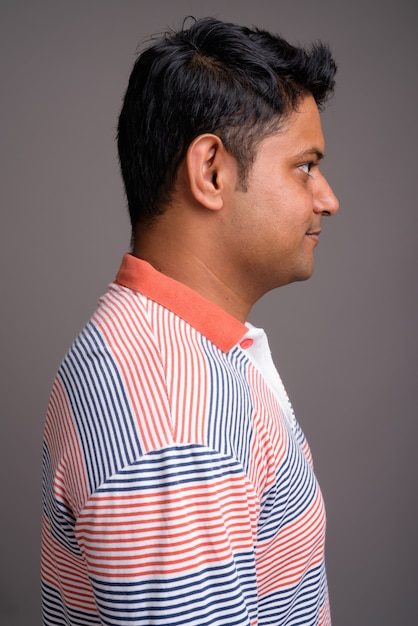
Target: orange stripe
154, 432
64, 571
65, 450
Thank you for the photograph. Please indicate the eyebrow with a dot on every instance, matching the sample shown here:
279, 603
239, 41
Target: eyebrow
311, 152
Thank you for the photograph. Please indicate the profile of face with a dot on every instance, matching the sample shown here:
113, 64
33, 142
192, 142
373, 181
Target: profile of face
276, 221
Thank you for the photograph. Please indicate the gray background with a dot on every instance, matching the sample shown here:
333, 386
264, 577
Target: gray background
345, 342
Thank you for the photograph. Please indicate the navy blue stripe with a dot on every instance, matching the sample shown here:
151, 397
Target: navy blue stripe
229, 428
90, 376
216, 595
54, 613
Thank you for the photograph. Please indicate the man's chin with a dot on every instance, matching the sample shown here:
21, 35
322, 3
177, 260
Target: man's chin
303, 274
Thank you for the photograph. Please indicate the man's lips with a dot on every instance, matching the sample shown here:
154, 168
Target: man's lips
313, 235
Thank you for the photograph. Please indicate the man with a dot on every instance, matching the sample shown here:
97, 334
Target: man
178, 485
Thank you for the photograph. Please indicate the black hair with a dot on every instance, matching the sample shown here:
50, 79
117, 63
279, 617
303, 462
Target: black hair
212, 77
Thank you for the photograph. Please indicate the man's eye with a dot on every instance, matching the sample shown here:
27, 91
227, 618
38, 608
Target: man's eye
306, 167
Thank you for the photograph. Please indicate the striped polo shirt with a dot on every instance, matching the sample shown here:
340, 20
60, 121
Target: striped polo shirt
178, 486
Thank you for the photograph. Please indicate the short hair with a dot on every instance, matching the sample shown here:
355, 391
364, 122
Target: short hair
212, 77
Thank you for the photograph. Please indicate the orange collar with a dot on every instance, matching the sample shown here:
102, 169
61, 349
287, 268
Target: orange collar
209, 319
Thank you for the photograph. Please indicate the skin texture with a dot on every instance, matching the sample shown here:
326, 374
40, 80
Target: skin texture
233, 244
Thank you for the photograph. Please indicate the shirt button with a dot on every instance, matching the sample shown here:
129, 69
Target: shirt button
246, 343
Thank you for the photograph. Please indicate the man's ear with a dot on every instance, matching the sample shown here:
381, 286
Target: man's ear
210, 170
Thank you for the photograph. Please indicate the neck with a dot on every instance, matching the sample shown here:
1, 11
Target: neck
194, 261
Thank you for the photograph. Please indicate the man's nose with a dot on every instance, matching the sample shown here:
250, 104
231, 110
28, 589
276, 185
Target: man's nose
326, 202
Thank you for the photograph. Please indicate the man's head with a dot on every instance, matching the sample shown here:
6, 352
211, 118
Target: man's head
237, 83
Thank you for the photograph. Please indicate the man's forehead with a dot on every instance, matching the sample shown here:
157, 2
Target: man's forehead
301, 134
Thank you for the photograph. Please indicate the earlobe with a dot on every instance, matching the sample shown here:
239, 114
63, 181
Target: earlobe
204, 161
